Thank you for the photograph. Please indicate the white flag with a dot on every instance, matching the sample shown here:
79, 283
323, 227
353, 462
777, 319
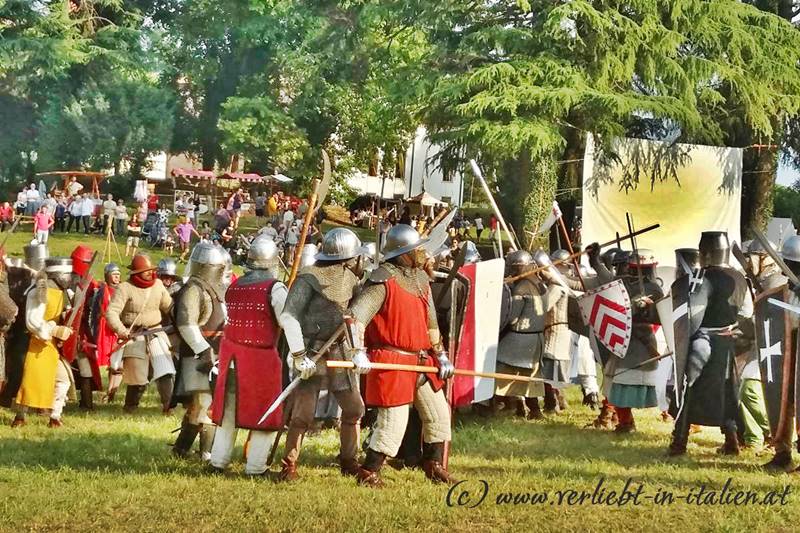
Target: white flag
554, 215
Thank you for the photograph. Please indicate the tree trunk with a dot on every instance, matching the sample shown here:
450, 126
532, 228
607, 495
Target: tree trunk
760, 166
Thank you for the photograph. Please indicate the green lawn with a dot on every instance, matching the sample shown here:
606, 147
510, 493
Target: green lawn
107, 471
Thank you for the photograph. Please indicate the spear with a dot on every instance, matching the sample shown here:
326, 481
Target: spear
435, 370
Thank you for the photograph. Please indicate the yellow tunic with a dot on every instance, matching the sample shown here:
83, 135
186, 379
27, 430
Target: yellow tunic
41, 361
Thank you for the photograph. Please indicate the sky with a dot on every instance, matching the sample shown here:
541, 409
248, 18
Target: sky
787, 175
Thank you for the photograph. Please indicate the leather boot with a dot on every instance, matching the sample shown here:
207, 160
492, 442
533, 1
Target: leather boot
605, 419
86, 402
591, 400
534, 412
18, 421
183, 444
132, 398
164, 385
781, 461
368, 475
520, 411
288, 471
207, 433
731, 446
550, 401
432, 464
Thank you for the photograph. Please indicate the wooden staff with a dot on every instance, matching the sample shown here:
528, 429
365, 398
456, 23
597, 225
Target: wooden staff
435, 370
571, 251
433, 224
477, 171
312, 202
577, 254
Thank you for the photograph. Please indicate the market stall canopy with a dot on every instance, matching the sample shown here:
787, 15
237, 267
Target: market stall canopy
192, 173
426, 200
81, 176
280, 178
242, 177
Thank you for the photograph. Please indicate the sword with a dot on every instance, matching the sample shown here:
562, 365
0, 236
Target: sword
776, 257
457, 264
783, 305
296, 381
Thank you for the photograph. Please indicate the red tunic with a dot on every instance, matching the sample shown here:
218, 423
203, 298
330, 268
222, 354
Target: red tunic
249, 340
401, 323
82, 340
106, 338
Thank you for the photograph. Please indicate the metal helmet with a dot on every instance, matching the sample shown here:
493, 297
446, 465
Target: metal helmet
586, 271
755, 247
59, 269
714, 248
519, 258
227, 273
689, 256
308, 255
339, 244
559, 255
35, 255
642, 258
608, 257
207, 262
791, 249
140, 263
621, 258
81, 259
471, 255
263, 253
541, 258
167, 267
400, 240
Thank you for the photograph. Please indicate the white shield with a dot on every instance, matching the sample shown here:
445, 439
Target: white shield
607, 310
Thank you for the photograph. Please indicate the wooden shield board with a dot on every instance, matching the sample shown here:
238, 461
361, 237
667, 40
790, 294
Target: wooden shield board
607, 310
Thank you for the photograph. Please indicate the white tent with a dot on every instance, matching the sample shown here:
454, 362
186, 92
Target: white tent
425, 200
780, 229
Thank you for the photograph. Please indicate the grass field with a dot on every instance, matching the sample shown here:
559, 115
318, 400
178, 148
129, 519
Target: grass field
105, 471
108, 471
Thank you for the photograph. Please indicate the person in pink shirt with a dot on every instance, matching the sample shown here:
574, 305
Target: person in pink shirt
6, 215
42, 222
184, 231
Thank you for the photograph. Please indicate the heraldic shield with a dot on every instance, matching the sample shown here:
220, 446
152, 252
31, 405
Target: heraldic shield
777, 352
607, 310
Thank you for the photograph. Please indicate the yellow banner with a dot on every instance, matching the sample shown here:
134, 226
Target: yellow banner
686, 188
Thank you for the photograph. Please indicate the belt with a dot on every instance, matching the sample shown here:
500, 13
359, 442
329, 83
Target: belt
527, 332
722, 331
421, 353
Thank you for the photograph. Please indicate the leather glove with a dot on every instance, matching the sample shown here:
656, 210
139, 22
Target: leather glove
446, 368
303, 365
593, 251
361, 362
62, 333
205, 361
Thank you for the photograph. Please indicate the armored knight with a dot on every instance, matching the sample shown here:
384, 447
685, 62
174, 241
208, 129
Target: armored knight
80, 349
630, 382
520, 349
104, 337
312, 314
8, 314
46, 378
723, 308
199, 311
394, 321
250, 368
139, 305
20, 281
168, 274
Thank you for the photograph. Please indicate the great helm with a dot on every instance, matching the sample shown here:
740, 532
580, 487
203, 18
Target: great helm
35, 255
81, 259
339, 244
59, 269
401, 239
168, 267
642, 258
207, 262
791, 249
263, 253
688, 256
714, 248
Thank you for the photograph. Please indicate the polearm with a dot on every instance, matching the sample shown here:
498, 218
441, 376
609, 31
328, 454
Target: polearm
478, 174
644, 363
571, 251
577, 254
435, 370
296, 381
312, 202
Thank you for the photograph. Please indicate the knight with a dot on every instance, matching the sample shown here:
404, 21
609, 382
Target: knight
250, 367
199, 311
138, 306
394, 321
721, 311
313, 313
46, 377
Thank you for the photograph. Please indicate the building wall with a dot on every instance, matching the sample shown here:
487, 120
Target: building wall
365, 184
421, 169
